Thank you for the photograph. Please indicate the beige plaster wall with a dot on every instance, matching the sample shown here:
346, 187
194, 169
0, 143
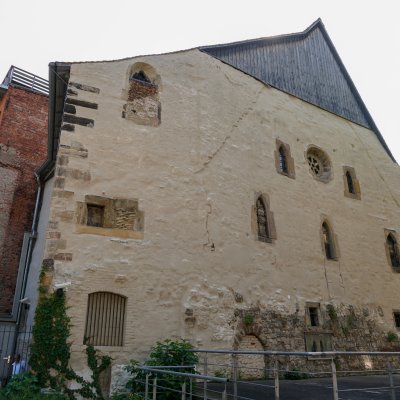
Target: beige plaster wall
195, 176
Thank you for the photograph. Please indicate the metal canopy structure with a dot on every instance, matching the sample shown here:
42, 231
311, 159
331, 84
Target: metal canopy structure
21, 78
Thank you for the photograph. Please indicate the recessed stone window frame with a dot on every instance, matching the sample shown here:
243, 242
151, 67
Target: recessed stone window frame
142, 94
120, 217
319, 164
352, 188
95, 215
262, 219
313, 315
396, 319
392, 249
284, 162
329, 240
318, 342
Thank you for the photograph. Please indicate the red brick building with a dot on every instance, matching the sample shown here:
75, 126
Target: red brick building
23, 149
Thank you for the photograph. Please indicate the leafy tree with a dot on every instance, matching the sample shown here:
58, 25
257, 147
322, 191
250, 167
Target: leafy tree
168, 352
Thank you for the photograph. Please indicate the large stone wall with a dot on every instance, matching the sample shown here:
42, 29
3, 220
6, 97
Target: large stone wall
23, 148
197, 267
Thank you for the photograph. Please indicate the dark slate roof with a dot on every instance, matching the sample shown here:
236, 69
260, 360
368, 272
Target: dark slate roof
305, 65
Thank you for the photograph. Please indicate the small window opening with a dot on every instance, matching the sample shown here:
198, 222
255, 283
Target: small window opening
282, 160
327, 237
396, 316
393, 251
95, 215
350, 184
313, 312
321, 346
262, 220
141, 76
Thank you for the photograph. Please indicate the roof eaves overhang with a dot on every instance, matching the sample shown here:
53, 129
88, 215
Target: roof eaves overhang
58, 84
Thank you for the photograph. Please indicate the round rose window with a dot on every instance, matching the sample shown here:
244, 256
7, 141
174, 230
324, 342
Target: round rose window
319, 164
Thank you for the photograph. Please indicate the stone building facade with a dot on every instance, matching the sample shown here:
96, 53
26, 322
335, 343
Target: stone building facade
197, 196
23, 148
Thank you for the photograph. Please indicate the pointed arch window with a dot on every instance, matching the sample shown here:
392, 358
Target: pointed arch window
393, 251
327, 237
351, 183
142, 93
329, 241
264, 217
284, 162
141, 76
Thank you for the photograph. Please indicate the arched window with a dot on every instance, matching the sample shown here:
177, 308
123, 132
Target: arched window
141, 76
282, 160
105, 319
350, 185
143, 98
262, 223
327, 238
393, 250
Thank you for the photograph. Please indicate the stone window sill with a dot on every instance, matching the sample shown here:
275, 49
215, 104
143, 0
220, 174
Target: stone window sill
120, 233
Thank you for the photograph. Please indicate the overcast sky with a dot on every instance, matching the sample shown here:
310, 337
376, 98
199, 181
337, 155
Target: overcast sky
365, 33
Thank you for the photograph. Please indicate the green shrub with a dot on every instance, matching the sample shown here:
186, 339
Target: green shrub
391, 336
331, 310
294, 375
248, 319
26, 387
169, 352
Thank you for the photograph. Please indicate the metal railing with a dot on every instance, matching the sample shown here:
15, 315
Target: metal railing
14, 351
187, 382
27, 80
276, 373
274, 376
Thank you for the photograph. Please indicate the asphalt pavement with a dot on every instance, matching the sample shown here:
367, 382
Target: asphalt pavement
372, 387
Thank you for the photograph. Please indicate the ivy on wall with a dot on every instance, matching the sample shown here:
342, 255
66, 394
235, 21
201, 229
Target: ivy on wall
50, 352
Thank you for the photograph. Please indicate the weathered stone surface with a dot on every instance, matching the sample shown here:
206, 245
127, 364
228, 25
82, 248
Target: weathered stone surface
73, 119
81, 103
196, 180
86, 88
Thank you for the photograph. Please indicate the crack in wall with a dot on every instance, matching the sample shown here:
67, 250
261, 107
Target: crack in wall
227, 137
209, 242
210, 158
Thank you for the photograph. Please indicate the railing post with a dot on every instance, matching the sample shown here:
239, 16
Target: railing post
334, 381
205, 373
391, 381
146, 389
155, 388
235, 375
276, 377
184, 390
191, 389
224, 393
